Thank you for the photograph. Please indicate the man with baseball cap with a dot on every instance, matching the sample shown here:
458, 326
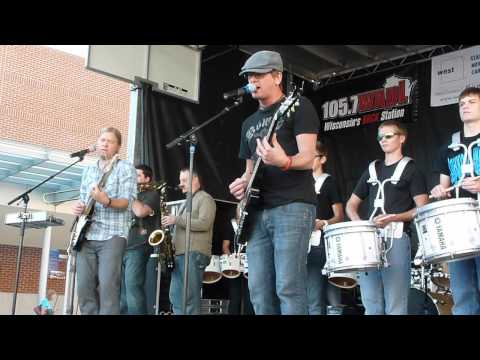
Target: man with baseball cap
281, 227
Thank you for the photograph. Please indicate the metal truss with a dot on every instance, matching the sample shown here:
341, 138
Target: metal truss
409, 58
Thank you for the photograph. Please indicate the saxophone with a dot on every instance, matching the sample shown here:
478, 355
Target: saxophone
163, 237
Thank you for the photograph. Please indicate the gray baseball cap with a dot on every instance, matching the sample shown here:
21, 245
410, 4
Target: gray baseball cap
262, 62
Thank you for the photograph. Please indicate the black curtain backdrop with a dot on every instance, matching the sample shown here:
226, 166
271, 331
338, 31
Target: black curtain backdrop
166, 117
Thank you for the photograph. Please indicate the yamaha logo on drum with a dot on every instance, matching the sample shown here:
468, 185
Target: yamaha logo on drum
339, 249
440, 235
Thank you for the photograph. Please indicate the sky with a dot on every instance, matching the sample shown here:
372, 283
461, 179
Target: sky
79, 50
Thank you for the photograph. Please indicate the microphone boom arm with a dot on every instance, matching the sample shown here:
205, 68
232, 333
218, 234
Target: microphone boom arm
185, 136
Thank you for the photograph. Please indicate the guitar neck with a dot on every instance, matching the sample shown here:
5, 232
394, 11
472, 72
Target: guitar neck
101, 184
284, 107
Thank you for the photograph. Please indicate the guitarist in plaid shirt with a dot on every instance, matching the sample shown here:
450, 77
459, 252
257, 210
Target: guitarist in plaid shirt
99, 260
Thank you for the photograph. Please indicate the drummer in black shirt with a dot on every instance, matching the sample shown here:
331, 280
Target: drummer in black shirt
464, 274
385, 291
329, 211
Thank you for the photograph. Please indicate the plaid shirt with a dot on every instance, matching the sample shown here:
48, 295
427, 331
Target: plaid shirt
121, 184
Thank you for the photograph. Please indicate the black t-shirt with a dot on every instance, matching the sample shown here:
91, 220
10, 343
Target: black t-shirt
449, 162
328, 196
279, 187
399, 197
142, 227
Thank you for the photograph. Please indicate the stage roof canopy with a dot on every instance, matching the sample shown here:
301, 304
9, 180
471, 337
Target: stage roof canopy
328, 64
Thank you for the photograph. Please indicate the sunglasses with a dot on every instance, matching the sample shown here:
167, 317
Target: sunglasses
387, 136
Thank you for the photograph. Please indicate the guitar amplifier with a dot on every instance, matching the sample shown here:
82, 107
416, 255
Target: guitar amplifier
214, 307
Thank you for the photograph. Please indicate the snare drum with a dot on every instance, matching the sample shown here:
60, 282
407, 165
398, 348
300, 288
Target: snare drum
230, 265
212, 272
449, 230
353, 246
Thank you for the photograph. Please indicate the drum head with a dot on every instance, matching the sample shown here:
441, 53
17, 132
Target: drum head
345, 282
210, 277
420, 303
231, 274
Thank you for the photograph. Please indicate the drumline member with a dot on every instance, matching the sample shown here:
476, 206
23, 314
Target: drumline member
385, 291
329, 211
278, 246
464, 274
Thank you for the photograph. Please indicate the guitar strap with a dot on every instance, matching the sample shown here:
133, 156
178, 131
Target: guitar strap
103, 181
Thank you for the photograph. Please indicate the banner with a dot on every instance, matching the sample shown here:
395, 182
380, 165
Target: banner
384, 96
453, 72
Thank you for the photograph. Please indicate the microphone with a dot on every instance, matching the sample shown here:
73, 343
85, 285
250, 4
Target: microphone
247, 89
82, 153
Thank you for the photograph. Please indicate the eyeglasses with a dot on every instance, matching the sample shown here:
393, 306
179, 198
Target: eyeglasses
256, 75
387, 136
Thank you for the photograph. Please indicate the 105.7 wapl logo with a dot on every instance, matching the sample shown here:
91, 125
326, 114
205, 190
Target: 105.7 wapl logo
386, 103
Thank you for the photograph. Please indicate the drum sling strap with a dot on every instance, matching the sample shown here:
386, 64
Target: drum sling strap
379, 202
320, 181
395, 229
315, 238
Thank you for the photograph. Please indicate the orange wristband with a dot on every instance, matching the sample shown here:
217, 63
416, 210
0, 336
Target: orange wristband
288, 164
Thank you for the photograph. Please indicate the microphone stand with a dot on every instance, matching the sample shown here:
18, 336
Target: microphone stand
25, 216
189, 137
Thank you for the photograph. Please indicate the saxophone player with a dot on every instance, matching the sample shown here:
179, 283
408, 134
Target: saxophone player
146, 218
203, 216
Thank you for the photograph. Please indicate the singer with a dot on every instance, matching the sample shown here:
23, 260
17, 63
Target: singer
99, 261
82, 153
247, 89
278, 246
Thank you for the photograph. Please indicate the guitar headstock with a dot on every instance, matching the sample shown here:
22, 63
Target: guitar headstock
290, 103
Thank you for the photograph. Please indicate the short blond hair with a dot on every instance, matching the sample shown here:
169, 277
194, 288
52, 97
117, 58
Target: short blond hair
114, 131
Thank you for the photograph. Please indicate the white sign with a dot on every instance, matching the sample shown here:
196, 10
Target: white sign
453, 72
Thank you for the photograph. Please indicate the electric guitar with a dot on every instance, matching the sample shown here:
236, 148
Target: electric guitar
251, 199
82, 223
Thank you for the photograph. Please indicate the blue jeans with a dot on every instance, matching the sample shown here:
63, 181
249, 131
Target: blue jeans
385, 291
277, 259
132, 294
196, 266
319, 291
465, 286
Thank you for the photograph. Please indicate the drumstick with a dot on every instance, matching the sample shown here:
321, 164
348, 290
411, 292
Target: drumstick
386, 216
446, 190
